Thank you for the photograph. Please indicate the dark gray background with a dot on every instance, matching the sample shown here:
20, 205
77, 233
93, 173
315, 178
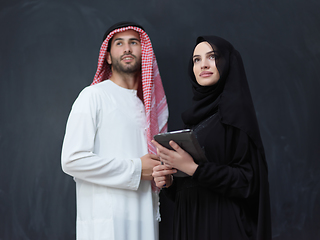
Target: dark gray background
48, 54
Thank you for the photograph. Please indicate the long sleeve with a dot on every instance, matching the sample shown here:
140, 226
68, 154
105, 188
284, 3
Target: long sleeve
227, 197
170, 192
235, 174
79, 157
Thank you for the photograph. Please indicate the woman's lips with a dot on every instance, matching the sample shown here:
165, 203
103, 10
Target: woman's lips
205, 74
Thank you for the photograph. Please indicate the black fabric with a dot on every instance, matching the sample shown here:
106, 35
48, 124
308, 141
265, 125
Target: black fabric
235, 105
205, 98
228, 196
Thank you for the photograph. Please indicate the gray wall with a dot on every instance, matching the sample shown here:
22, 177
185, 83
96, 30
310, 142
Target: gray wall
49, 52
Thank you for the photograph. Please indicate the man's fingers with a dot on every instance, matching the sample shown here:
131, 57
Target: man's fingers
154, 157
156, 163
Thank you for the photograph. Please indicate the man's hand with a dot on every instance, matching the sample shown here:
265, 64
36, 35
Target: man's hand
148, 162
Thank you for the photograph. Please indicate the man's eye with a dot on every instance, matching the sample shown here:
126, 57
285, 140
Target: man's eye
119, 43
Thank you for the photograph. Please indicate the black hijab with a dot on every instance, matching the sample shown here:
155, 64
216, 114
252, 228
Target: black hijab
230, 97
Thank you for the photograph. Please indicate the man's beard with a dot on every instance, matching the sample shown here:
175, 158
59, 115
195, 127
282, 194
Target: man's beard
125, 68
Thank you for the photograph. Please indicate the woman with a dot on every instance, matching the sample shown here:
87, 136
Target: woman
226, 197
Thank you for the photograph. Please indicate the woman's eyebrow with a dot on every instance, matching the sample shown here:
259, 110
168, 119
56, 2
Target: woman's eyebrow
213, 51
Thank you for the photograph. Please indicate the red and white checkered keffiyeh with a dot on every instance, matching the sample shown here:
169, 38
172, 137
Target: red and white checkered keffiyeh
153, 94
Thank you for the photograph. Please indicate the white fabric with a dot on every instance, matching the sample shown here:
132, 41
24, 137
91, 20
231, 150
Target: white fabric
105, 138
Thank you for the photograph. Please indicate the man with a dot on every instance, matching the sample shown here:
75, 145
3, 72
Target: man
108, 137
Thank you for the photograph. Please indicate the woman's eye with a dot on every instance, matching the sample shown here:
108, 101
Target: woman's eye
195, 60
212, 56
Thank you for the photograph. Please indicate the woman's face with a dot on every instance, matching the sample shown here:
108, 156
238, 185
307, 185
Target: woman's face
204, 65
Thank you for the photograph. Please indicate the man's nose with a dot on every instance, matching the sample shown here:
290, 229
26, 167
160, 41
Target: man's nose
127, 48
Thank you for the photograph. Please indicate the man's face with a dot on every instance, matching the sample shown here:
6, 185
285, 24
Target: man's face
125, 52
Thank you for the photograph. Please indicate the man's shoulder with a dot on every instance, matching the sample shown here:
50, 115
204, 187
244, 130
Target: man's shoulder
94, 95
95, 90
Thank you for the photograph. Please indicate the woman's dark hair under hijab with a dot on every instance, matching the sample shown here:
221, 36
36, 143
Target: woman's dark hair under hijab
117, 26
230, 97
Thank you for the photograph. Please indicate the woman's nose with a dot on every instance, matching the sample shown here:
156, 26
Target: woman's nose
204, 64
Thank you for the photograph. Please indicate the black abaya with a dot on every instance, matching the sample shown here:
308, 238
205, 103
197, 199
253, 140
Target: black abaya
221, 200
227, 198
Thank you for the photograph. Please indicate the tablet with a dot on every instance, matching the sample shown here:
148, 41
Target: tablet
187, 140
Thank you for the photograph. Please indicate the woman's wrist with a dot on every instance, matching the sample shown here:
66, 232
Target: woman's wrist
190, 169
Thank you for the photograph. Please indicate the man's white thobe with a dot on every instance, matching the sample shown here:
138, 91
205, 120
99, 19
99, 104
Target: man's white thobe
104, 140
